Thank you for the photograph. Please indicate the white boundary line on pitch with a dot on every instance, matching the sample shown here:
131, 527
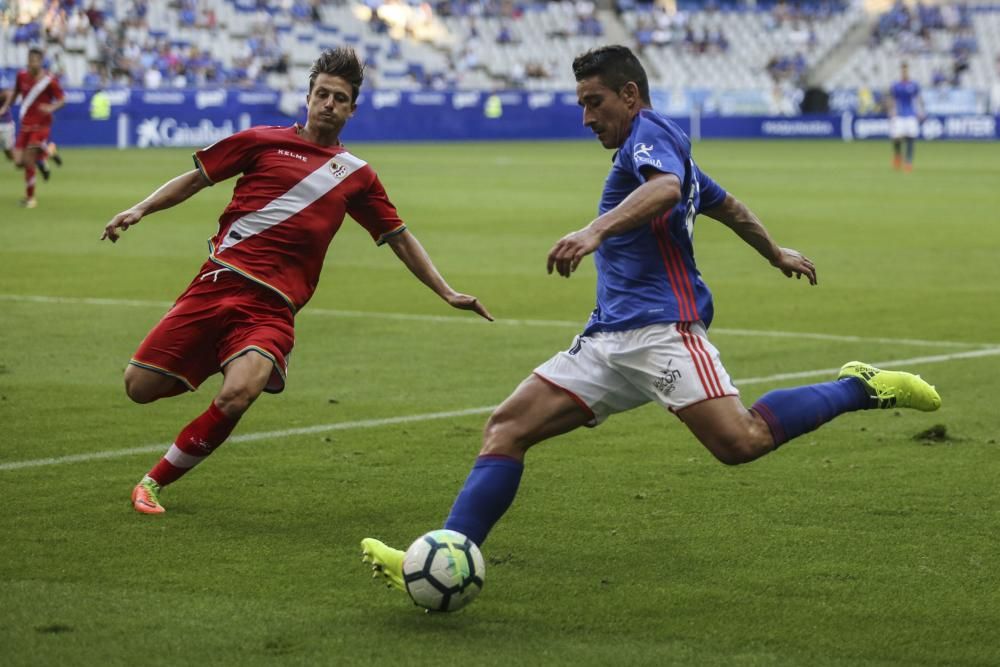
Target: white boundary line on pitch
387, 421
471, 319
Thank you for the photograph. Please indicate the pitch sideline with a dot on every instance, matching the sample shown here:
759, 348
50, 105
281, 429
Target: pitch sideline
375, 423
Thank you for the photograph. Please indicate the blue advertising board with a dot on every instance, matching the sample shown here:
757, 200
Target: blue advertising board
154, 118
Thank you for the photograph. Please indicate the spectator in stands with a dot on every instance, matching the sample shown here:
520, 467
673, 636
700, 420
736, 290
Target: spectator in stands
505, 35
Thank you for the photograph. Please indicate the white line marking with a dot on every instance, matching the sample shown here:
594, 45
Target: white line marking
374, 423
469, 319
249, 437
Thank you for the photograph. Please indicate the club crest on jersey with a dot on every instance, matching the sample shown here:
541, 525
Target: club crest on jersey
339, 170
641, 153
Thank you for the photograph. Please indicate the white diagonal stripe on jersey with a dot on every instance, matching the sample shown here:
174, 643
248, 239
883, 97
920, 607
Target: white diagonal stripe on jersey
33, 94
305, 192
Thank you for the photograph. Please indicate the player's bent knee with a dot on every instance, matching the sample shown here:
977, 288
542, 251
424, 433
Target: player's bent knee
139, 391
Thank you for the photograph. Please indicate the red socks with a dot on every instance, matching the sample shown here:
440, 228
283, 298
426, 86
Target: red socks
29, 181
198, 439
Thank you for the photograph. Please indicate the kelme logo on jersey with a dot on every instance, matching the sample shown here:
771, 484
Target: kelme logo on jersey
641, 153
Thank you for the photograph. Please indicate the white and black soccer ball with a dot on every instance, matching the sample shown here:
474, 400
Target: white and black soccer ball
443, 570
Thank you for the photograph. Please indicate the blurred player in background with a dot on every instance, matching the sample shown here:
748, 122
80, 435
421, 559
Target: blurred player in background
40, 96
906, 111
7, 129
237, 315
647, 339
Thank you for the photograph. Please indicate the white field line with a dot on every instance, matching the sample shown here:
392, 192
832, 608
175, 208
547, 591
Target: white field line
374, 423
472, 319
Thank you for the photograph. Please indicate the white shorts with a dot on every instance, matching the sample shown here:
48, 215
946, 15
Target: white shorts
674, 365
904, 127
7, 134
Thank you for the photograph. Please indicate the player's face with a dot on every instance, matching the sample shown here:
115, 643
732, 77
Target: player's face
329, 103
606, 112
34, 62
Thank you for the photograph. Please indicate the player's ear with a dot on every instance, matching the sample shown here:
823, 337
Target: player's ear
630, 93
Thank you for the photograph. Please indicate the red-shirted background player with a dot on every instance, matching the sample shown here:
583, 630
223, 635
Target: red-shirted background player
237, 315
41, 96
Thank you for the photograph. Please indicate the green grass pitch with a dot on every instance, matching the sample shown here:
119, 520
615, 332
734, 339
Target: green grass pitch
854, 545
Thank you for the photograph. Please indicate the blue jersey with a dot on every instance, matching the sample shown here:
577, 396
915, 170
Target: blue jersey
904, 93
648, 275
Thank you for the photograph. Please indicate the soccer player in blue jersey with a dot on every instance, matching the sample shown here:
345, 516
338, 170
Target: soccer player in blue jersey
906, 110
647, 338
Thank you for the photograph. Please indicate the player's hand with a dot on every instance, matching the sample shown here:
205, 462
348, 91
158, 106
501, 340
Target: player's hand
793, 263
568, 251
469, 302
46, 109
120, 222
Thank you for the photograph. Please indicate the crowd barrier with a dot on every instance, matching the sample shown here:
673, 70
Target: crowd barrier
148, 119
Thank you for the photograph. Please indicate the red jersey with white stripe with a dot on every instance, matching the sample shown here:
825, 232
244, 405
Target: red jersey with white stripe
288, 204
34, 92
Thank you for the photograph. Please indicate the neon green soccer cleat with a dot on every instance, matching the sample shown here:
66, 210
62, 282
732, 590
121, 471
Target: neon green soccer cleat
145, 497
385, 561
893, 389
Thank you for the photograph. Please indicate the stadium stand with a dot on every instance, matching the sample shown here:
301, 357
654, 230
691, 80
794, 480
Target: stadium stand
726, 56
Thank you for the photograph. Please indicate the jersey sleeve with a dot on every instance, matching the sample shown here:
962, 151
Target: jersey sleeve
712, 193
372, 209
654, 148
227, 157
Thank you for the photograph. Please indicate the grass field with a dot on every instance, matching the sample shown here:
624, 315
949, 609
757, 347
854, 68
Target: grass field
859, 544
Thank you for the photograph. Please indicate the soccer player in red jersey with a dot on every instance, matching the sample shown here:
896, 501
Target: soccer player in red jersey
41, 96
237, 315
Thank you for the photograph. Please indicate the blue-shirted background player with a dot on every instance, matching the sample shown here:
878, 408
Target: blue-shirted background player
646, 340
906, 110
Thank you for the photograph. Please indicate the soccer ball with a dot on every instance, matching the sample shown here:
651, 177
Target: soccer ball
443, 571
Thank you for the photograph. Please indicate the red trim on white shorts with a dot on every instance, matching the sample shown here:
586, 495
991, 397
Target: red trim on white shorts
579, 401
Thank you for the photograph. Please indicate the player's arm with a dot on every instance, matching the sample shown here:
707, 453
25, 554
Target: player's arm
8, 99
738, 217
54, 106
169, 194
660, 193
412, 254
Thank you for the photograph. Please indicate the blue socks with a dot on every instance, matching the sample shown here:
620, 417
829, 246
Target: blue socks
791, 412
488, 492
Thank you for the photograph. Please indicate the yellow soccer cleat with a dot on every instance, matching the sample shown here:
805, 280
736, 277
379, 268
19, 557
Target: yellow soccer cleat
893, 389
385, 561
145, 497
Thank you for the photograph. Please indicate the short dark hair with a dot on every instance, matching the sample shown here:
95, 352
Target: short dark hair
615, 66
343, 62
36, 50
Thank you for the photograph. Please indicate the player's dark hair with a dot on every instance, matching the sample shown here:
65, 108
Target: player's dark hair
36, 50
343, 62
615, 66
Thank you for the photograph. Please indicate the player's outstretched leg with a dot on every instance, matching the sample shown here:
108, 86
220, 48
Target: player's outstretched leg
146, 497
893, 389
385, 560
